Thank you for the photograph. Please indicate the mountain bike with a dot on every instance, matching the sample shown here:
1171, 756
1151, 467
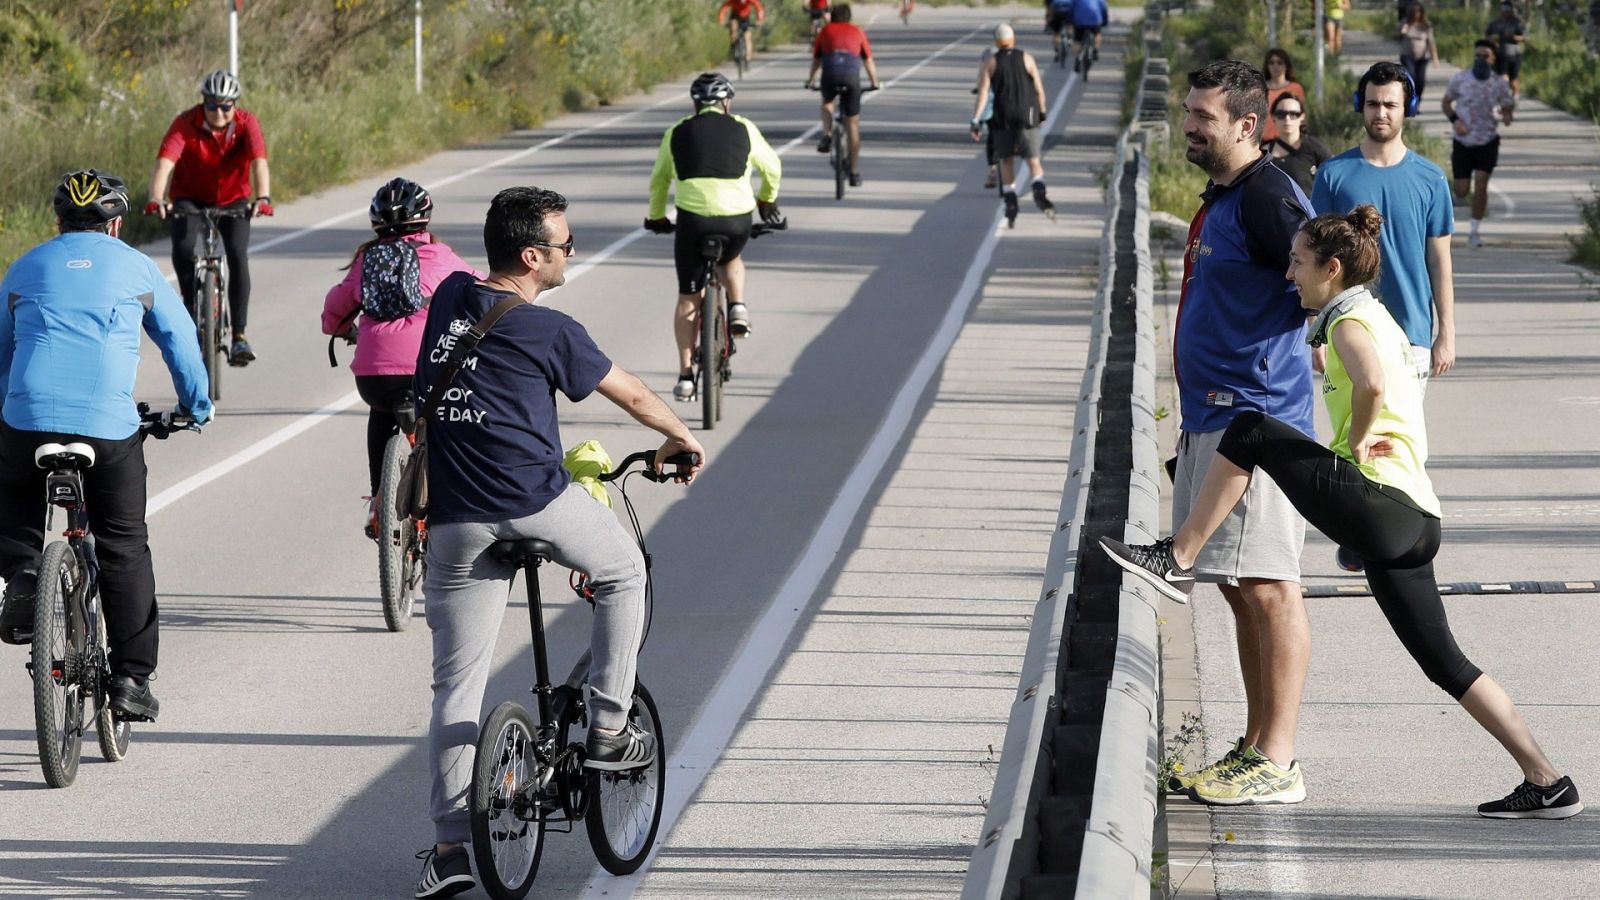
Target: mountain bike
1085, 57
211, 289
402, 540
739, 50
70, 659
529, 776
713, 343
839, 155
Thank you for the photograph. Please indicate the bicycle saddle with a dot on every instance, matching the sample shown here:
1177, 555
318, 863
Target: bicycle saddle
712, 246
75, 455
520, 551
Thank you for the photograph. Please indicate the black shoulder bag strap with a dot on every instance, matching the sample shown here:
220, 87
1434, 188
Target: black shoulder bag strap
467, 343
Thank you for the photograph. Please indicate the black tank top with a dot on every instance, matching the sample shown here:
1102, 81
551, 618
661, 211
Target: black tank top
1016, 103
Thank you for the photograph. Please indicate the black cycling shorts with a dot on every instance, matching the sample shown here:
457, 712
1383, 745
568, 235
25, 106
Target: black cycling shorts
686, 246
1080, 33
1056, 22
846, 87
1510, 67
1465, 160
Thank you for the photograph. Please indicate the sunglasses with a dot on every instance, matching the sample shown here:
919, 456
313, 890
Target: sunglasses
219, 106
567, 249
1287, 114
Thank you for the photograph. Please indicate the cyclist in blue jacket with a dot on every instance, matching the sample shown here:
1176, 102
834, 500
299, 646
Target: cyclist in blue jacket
69, 355
1088, 17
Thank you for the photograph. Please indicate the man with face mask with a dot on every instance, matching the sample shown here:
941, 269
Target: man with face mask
1239, 345
1471, 100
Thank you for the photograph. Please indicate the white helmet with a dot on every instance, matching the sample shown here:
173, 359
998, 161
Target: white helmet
220, 84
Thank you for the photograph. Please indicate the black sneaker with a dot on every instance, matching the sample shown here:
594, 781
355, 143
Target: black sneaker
16, 616
1042, 200
1153, 563
1011, 209
1530, 801
855, 179
1347, 560
132, 700
825, 143
241, 353
630, 749
444, 874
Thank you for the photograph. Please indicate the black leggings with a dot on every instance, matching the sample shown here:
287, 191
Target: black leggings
235, 234
383, 393
1395, 540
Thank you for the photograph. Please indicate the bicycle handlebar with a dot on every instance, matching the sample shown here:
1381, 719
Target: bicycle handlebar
756, 230
160, 425
648, 458
817, 86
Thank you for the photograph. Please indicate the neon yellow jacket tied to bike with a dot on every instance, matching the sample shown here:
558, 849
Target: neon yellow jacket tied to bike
586, 462
711, 154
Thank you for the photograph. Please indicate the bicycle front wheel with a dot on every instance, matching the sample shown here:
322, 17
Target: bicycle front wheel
396, 539
60, 645
113, 733
625, 807
507, 825
710, 351
211, 346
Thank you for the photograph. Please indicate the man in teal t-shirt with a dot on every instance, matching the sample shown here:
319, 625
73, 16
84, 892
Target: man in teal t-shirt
1416, 280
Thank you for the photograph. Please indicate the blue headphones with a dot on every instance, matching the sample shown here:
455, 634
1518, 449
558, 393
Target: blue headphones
1413, 102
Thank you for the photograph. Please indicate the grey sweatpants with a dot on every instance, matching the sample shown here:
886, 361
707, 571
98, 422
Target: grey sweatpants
466, 592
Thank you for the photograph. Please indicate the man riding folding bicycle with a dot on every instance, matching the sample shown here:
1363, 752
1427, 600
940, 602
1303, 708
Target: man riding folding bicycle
65, 380
710, 154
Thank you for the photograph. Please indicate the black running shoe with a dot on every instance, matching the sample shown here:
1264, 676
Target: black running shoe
630, 749
855, 179
16, 616
1011, 209
1042, 200
825, 143
132, 700
241, 353
444, 874
1530, 801
1154, 564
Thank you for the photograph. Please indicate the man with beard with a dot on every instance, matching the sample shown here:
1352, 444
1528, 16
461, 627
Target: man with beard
1411, 193
1238, 345
495, 473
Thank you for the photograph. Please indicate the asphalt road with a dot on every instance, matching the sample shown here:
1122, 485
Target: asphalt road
882, 442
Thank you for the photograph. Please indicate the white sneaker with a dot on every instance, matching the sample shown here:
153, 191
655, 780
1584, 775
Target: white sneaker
683, 391
1475, 241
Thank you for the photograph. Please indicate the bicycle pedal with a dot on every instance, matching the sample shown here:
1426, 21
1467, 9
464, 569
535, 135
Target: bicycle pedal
118, 715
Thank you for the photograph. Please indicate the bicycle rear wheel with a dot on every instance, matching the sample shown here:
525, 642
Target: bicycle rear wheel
625, 807
710, 350
211, 347
60, 643
841, 161
396, 539
507, 831
113, 733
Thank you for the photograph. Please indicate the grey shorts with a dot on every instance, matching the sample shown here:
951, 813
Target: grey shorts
1261, 538
1009, 142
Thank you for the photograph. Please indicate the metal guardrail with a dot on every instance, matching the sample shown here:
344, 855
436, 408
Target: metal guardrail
1019, 854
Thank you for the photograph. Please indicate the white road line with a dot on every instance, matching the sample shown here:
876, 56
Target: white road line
708, 737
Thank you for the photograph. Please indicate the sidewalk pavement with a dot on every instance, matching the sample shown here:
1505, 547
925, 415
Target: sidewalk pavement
1393, 767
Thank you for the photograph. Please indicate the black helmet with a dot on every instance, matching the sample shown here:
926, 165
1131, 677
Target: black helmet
710, 88
400, 207
87, 199
220, 84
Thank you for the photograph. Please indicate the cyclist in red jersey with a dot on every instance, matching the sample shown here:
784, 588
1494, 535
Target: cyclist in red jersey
839, 53
819, 14
211, 156
738, 11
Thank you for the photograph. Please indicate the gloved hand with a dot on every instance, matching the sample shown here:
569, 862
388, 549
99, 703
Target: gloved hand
155, 208
262, 207
662, 225
770, 214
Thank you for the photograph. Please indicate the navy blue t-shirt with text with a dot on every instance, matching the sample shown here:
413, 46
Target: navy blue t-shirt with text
494, 445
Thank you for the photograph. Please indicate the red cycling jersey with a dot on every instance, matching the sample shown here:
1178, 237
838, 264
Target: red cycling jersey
817, 5
212, 168
841, 45
741, 9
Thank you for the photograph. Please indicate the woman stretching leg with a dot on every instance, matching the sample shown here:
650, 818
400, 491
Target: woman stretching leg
1368, 491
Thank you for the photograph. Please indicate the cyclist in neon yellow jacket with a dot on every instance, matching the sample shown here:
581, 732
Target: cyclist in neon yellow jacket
710, 155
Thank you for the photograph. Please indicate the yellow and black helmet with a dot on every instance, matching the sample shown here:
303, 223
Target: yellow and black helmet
89, 199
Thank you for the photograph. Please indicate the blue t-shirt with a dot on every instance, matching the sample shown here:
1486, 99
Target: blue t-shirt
1414, 199
494, 445
1090, 14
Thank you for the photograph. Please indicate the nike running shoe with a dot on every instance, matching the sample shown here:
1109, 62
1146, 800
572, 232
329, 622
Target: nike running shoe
1253, 780
1183, 781
630, 748
738, 320
444, 874
683, 391
1530, 801
1155, 564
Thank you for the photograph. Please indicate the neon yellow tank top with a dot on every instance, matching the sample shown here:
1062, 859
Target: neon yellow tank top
1401, 417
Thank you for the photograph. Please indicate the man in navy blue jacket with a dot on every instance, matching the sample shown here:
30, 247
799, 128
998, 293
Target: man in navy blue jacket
1238, 345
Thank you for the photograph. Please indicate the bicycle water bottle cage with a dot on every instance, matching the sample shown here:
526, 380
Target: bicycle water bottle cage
521, 552
71, 456
712, 247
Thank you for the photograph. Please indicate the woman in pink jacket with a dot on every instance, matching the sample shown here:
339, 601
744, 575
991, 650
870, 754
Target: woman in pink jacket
387, 286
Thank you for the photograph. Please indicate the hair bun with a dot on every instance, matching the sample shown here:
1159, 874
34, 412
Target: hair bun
1365, 219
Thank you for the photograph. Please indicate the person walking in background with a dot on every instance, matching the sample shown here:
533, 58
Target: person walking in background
1295, 151
1368, 490
1417, 46
992, 177
1333, 24
1472, 98
387, 286
1507, 33
1238, 345
1019, 111
1279, 69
